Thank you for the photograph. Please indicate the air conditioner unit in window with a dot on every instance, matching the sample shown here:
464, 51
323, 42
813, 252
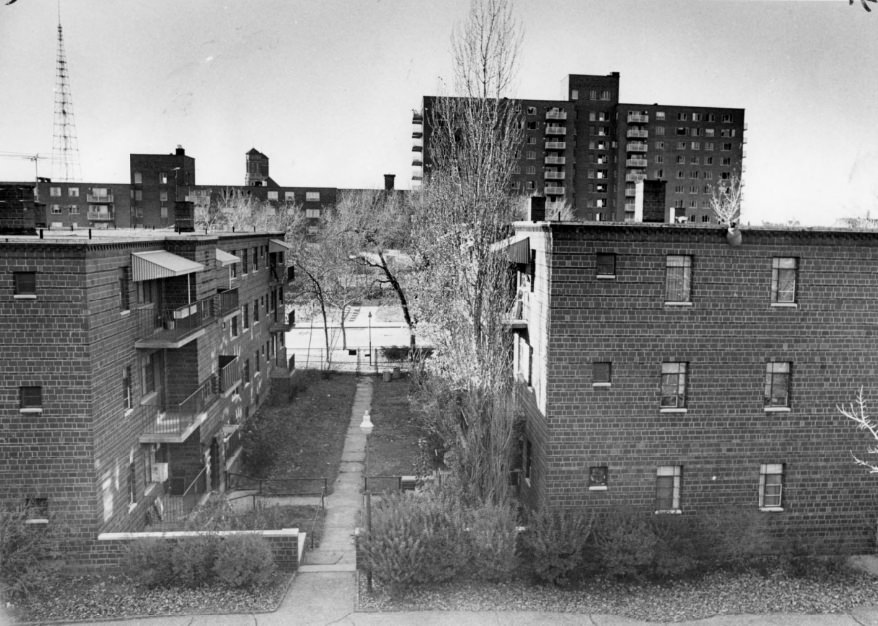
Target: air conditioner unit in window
159, 472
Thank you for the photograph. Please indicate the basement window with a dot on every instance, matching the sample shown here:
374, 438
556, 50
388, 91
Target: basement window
25, 285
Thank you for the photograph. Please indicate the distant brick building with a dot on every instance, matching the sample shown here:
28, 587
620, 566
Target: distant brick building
131, 360
663, 368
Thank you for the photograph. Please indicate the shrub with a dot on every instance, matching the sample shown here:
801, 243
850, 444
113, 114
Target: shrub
555, 541
734, 537
148, 562
25, 554
395, 353
677, 549
626, 543
244, 561
259, 443
417, 538
492, 539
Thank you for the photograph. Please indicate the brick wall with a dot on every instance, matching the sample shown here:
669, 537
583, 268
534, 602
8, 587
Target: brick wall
727, 335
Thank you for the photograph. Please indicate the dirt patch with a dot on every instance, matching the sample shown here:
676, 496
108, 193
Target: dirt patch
393, 444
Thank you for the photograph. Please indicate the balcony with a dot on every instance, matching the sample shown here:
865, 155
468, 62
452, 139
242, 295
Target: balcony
634, 177
518, 313
556, 130
176, 422
556, 145
417, 118
281, 324
555, 160
635, 162
640, 133
417, 148
417, 162
553, 175
227, 301
417, 133
630, 192
554, 190
638, 118
629, 207
636, 146
228, 375
174, 328
554, 114
100, 216
104, 199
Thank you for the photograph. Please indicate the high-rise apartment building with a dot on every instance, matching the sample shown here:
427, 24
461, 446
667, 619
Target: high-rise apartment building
589, 151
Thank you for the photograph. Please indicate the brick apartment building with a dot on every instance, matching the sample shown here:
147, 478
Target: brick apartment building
590, 150
665, 369
131, 360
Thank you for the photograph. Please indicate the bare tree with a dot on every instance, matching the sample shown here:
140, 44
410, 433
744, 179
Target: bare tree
863, 2
858, 413
725, 201
463, 285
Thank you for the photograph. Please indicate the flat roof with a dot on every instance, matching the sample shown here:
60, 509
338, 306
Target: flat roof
82, 236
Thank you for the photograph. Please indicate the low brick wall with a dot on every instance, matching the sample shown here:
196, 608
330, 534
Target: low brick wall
110, 548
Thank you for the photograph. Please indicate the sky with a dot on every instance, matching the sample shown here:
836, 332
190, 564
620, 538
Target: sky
326, 88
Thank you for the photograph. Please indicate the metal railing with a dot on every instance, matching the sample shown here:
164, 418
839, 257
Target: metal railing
555, 190
227, 301
172, 324
636, 146
638, 118
556, 130
104, 199
635, 162
637, 132
556, 160
231, 444
556, 115
229, 374
178, 506
100, 216
552, 175
556, 145
176, 418
373, 484
317, 486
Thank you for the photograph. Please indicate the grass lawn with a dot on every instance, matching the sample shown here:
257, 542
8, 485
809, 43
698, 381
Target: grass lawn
307, 435
392, 448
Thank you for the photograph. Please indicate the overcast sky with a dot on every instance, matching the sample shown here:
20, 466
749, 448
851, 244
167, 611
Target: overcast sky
326, 88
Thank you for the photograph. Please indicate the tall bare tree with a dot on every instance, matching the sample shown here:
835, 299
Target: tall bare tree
725, 200
462, 287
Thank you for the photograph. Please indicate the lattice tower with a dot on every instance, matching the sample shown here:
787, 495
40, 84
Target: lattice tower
65, 147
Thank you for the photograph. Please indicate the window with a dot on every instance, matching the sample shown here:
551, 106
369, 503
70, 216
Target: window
246, 316
659, 158
601, 373
681, 174
678, 278
132, 485
711, 117
272, 195
531, 154
73, 209
660, 131
312, 196
681, 145
597, 477
255, 259
247, 371
256, 310
163, 178
709, 132
673, 385
726, 147
531, 170
771, 486
126, 388
682, 117
725, 161
234, 326
258, 362
697, 117
708, 160
660, 173
783, 280
245, 257
148, 373
138, 195
36, 510
531, 110
73, 192
693, 174
727, 118
163, 196
667, 488
605, 264
30, 398
289, 196
705, 218
695, 145
659, 115
777, 385
709, 146
138, 178
164, 212
312, 213
682, 131
25, 284
694, 160
55, 192
56, 209
605, 94
531, 140
125, 298
574, 94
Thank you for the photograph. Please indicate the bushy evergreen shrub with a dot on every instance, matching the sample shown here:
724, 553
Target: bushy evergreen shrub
244, 561
192, 560
492, 539
555, 541
626, 543
148, 562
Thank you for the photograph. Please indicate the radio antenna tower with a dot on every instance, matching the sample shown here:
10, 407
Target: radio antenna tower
65, 147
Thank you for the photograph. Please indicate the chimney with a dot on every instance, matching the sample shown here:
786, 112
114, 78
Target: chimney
538, 209
180, 150
388, 182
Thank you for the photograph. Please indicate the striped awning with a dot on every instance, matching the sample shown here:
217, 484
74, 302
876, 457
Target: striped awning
224, 258
161, 264
276, 245
519, 251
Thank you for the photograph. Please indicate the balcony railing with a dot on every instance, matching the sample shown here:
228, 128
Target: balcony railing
641, 133
636, 146
229, 373
104, 199
518, 313
635, 162
174, 423
417, 161
100, 216
281, 324
555, 160
629, 206
634, 177
227, 301
554, 190
417, 148
630, 192
183, 498
556, 145
159, 329
638, 118
553, 175
556, 130
556, 115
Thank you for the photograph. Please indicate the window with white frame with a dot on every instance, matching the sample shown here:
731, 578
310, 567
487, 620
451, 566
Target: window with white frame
55, 192
674, 385
602, 373
777, 385
73, 192
126, 388
667, 488
272, 195
598, 477
290, 196
678, 278
784, 272
312, 213
771, 487
312, 196
56, 209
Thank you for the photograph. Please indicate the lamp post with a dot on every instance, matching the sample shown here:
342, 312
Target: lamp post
370, 340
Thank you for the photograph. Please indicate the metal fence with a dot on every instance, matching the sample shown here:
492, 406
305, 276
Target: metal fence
176, 507
360, 359
278, 486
